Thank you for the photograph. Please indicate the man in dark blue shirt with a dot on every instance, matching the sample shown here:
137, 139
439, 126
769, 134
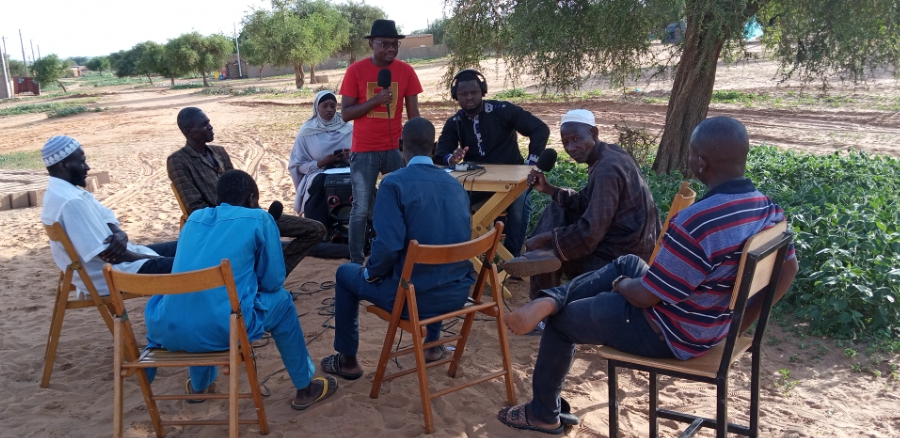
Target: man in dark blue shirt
418, 202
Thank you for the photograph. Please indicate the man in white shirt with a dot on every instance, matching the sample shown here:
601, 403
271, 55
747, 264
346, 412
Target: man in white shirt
92, 228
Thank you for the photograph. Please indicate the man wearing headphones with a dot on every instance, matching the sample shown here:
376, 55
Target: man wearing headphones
484, 131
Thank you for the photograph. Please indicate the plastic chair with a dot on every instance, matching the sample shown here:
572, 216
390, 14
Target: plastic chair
406, 298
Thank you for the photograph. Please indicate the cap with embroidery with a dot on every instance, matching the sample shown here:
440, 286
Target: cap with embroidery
58, 148
579, 116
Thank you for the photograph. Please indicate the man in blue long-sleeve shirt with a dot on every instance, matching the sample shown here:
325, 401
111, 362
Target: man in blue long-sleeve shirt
418, 202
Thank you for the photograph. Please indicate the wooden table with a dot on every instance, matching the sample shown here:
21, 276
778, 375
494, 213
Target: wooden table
507, 182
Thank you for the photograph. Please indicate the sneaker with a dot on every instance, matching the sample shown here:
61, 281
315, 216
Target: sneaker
532, 263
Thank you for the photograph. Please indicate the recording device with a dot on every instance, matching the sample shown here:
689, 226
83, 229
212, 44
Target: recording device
547, 160
276, 209
465, 167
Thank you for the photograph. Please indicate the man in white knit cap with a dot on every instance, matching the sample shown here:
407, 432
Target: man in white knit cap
92, 228
582, 231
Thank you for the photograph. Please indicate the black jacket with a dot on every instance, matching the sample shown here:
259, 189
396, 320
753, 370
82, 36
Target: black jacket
498, 122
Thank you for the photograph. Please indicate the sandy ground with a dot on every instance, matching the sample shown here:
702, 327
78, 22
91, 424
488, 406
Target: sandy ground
809, 385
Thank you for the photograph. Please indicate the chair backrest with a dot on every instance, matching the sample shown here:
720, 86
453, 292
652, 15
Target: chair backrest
759, 269
184, 212
57, 233
683, 199
441, 254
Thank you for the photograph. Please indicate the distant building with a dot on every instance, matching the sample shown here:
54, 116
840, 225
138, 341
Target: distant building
419, 40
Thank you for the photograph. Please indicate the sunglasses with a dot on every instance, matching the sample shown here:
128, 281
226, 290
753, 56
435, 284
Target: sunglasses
386, 44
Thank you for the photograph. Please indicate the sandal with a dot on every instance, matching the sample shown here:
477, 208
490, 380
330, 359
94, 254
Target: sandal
188, 389
329, 387
516, 418
566, 416
332, 365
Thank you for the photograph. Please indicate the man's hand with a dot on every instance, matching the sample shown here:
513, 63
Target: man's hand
384, 96
117, 249
539, 182
458, 155
541, 241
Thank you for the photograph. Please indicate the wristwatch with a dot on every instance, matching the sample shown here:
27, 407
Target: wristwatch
618, 280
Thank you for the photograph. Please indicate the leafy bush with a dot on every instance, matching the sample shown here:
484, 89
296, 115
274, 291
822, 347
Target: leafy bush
32, 108
843, 209
71, 110
512, 93
21, 160
187, 86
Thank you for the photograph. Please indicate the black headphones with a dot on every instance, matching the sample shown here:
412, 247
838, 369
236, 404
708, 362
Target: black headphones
482, 82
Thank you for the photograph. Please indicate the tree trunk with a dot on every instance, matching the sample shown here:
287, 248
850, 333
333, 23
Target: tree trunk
298, 76
352, 57
62, 86
205, 82
260, 71
149, 79
690, 97
312, 75
172, 78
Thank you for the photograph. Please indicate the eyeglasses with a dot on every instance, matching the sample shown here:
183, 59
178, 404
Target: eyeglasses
386, 44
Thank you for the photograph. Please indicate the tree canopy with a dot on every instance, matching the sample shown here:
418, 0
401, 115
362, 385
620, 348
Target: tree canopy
49, 69
360, 16
16, 67
565, 42
296, 34
98, 63
192, 52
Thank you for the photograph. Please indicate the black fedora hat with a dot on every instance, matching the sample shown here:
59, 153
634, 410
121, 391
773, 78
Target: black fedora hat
386, 29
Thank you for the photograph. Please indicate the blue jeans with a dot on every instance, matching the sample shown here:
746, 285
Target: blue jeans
517, 215
587, 314
282, 321
364, 169
350, 287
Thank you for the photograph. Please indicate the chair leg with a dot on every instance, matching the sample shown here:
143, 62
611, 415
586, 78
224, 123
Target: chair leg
381, 369
56, 321
654, 404
721, 407
613, 402
152, 409
754, 392
253, 380
118, 396
233, 388
461, 344
422, 371
507, 361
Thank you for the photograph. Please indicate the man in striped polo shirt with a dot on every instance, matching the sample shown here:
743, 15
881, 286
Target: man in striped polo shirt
676, 308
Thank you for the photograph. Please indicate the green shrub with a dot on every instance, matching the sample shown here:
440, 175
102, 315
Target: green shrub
71, 110
21, 160
187, 86
512, 93
844, 211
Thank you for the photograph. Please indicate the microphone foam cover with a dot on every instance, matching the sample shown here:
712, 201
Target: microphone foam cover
276, 209
384, 78
547, 160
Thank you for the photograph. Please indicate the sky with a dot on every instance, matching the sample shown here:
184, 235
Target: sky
99, 27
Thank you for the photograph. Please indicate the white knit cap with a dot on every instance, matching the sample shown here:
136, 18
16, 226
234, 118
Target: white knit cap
58, 148
579, 116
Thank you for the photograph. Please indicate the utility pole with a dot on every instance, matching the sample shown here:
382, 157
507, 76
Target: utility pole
22, 43
39, 51
32, 55
5, 91
238, 47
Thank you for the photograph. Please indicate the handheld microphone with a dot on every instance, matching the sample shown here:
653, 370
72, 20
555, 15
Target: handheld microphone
384, 81
546, 160
276, 209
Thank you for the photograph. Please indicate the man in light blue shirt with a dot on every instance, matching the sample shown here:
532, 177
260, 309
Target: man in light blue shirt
237, 229
418, 202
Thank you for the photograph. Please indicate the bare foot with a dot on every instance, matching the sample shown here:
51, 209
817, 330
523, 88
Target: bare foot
524, 319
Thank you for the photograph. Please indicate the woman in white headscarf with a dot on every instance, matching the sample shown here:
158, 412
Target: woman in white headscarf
322, 142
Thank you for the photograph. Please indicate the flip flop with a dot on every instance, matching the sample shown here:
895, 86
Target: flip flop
566, 416
332, 365
189, 390
515, 417
329, 387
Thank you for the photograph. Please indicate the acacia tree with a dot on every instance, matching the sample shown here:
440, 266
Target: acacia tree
297, 34
192, 52
49, 69
360, 16
98, 64
564, 42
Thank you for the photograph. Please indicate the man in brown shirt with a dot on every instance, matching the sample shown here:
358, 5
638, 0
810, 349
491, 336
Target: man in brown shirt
582, 231
195, 169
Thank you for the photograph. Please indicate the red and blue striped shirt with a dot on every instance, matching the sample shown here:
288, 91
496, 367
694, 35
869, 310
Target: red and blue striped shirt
696, 268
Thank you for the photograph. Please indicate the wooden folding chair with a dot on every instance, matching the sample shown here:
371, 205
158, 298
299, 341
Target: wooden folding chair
406, 297
126, 346
184, 211
683, 199
63, 302
758, 273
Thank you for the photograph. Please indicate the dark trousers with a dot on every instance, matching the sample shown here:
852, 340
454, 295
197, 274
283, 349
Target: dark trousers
305, 234
160, 265
587, 314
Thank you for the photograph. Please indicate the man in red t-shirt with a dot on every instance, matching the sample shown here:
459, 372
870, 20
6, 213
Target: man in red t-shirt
378, 115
